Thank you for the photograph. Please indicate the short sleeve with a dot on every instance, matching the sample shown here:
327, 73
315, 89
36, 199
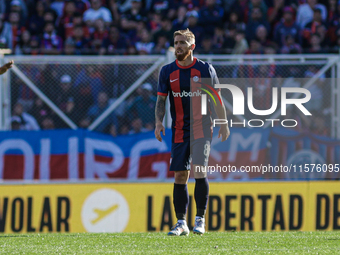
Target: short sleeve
163, 84
214, 78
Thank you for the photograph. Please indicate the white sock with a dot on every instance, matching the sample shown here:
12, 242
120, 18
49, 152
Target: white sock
182, 222
198, 217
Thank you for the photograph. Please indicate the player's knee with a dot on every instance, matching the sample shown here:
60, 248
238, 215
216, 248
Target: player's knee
181, 177
199, 172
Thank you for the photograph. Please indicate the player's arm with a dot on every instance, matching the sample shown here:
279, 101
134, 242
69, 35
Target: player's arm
219, 108
5, 67
222, 114
159, 115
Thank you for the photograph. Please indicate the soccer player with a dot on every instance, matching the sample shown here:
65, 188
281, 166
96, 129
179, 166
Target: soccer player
191, 133
5, 67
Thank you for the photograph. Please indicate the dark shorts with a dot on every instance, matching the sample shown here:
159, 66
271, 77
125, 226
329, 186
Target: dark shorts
195, 152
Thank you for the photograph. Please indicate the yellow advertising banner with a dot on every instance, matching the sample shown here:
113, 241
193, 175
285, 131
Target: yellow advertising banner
142, 207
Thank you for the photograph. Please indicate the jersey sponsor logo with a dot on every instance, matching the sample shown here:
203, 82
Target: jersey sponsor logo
184, 93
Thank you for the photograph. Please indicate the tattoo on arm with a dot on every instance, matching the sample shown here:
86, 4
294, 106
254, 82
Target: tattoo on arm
160, 108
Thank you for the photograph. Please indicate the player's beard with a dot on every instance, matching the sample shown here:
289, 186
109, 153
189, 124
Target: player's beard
182, 56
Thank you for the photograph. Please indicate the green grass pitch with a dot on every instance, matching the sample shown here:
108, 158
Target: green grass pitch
160, 243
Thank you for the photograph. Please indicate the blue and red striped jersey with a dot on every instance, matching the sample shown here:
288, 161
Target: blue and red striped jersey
184, 86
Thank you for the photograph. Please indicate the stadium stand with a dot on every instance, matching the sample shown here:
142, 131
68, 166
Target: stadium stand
144, 27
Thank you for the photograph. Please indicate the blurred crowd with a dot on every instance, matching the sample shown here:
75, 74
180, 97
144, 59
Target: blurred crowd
130, 27
118, 27
84, 91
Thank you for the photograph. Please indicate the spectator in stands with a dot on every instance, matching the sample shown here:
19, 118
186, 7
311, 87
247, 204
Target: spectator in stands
113, 130
332, 10
165, 30
235, 21
145, 46
50, 16
192, 23
178, 22
154, 22
325, 40
219, 41
15, 123
78, 21
290, 46
82, 44
255, 47
311, 27
82, 5
167, 8
36, 22
241, 44
84, 99
130, 18
287, 27
315, 45
256, 20
40, 111
65, 92
51, 42
162, 45
115, 43
98, 35
262, 35
24, 45
210, 16
20, 7
27, 121
143, 105
35, 45
66, 20
275, 12
17, 29
85, 122
137, 127
6, 35
124, 129
47, 124
69, 47
97, 109
257, 4
90, 75
305, 12
72, 110
206, 46
97, 11
114, 10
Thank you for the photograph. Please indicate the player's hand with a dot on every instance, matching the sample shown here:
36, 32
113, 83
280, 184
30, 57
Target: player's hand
159, 128
6, 66
9, 65
224, 132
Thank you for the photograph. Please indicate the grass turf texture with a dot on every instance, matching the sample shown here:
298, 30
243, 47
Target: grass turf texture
160, 243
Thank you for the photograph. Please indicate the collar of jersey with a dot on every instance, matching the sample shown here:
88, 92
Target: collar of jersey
185, 67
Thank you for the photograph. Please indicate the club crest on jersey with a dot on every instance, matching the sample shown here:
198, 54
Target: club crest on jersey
195, 78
